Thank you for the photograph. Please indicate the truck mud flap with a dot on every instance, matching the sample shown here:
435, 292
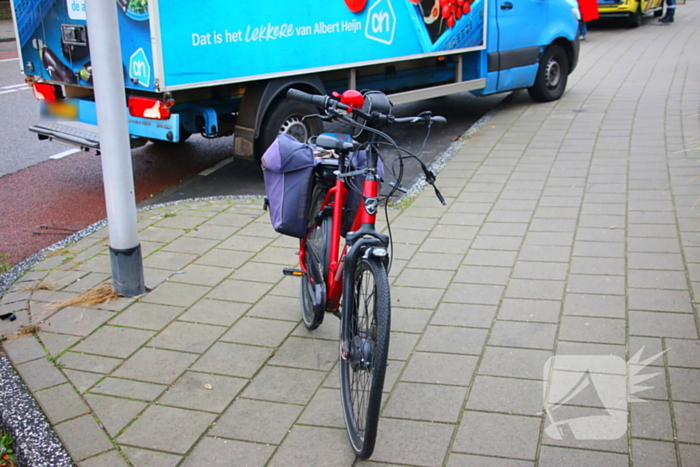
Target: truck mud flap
85, 140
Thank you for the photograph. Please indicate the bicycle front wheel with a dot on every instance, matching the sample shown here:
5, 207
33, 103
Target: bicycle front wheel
363, 353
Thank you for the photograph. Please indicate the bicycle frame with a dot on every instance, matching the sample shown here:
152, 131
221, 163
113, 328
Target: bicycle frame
363, 225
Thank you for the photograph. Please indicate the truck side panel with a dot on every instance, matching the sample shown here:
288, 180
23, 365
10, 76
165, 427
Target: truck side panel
212, 44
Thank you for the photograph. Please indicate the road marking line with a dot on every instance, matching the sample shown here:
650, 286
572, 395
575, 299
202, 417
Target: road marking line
8, 91
8, 59
63, 154
13, 86
213, 169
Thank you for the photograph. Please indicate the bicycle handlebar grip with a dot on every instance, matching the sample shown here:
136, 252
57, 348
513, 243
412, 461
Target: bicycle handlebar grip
438, 120
297, 95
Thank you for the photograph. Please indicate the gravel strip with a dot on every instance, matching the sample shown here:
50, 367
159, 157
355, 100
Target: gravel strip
35, 443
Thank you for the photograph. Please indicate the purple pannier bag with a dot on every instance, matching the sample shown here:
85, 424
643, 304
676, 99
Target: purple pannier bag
288, 170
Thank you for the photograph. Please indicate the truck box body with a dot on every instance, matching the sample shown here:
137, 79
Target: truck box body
174, 45
223, 66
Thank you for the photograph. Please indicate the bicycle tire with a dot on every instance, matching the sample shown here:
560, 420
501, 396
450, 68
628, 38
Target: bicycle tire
318, 243
366, 329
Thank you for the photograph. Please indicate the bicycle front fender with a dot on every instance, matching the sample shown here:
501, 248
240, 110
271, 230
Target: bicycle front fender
363, 247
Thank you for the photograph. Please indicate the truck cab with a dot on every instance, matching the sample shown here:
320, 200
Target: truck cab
521, 33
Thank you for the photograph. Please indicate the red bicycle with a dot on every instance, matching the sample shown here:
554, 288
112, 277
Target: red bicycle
352, 282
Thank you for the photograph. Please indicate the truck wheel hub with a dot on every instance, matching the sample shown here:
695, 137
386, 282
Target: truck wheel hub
553, 74
295, 127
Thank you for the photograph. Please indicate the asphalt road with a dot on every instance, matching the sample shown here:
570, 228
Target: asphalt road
18, 110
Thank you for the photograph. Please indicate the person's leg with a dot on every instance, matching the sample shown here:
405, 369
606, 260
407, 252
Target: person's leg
670, 11
582, 30
671, 8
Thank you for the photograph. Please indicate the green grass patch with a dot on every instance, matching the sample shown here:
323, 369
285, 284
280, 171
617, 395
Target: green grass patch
7, 454
4, 266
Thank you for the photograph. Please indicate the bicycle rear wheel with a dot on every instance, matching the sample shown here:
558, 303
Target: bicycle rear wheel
363, 353
313, 290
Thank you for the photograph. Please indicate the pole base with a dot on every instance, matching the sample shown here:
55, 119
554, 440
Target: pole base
127, 271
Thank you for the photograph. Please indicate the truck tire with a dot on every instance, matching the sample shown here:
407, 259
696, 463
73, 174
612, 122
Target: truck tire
552, 74
286, 117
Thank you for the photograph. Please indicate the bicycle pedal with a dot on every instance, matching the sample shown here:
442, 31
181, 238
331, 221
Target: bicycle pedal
293, 272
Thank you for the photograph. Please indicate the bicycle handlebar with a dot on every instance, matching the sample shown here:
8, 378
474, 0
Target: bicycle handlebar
315, 99
325, 103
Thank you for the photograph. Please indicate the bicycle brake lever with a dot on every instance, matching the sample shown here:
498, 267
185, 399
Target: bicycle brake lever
327, 118
439, 196
429, 175
430, 178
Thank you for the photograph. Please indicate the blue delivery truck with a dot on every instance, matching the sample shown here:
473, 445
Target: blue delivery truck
223, 67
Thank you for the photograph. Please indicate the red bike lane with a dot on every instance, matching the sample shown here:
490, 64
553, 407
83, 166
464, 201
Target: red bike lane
68, 193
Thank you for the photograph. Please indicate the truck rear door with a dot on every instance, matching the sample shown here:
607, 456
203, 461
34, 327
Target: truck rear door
520, 25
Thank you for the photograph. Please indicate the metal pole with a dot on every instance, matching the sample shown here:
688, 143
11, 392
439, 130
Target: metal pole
117, 172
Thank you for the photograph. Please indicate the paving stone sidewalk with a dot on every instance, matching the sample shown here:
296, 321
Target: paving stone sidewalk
571, 230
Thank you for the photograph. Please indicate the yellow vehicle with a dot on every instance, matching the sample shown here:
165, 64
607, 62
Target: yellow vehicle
631, 10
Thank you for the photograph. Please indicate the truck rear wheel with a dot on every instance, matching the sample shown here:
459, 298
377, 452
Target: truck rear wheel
287, 117
552, 74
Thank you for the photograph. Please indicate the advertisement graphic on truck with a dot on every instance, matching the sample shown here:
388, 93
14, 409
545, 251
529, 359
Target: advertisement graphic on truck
315, 38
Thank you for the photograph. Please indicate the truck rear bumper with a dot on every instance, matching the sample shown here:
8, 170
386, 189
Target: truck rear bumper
84, 140
86, 113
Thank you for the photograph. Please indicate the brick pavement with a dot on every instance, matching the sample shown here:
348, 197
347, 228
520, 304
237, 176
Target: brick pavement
570, 230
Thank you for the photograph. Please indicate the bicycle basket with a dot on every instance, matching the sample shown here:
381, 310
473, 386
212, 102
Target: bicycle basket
288, 171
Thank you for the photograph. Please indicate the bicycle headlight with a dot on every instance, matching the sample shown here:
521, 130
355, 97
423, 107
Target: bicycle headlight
375, 101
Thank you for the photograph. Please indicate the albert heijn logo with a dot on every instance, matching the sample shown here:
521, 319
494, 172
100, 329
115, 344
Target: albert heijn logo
381, 22
139, 68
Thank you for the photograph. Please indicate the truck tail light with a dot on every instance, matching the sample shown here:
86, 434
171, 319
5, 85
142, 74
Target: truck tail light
146, 107
46, 92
